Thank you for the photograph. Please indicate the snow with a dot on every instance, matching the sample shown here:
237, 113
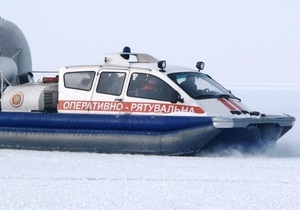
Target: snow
66, 180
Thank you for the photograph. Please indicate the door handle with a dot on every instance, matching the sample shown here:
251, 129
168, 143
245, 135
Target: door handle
118, 99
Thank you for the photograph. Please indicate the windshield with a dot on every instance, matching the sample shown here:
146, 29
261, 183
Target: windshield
200, 86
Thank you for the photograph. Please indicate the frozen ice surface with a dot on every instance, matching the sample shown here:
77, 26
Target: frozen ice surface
63, 180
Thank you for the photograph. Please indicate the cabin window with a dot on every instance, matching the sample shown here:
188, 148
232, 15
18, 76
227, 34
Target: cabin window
79, 80
111, 83
149, 86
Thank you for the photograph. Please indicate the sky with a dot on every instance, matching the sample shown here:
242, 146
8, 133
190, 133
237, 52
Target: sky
240, 41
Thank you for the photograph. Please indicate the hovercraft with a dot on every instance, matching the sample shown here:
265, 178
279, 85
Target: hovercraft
130, 103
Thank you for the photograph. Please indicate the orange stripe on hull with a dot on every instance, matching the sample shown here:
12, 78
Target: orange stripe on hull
227, 104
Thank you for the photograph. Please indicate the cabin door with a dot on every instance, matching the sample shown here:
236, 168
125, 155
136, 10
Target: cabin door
76, 91
109, 91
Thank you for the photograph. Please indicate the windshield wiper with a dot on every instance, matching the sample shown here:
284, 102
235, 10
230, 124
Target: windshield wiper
208, 96
205, 96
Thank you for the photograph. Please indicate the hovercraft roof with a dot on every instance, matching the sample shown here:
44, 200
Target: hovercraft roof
127, 60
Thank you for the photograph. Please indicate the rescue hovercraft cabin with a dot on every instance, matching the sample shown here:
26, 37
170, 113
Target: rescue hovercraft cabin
131, 103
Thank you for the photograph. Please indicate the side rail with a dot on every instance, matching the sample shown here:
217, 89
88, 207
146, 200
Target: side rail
1, 85
39, 75
2, 79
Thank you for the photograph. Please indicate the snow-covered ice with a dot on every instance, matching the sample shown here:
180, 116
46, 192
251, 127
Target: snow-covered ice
66, 180
61, 180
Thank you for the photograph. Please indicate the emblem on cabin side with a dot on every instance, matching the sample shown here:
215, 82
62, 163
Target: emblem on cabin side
17, 99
